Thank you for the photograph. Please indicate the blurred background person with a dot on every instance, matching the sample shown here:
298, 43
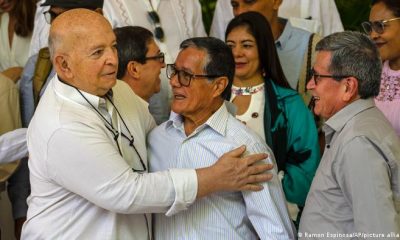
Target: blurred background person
17, 185
16, 26
324, 12
139, 60
384, 29
267, 104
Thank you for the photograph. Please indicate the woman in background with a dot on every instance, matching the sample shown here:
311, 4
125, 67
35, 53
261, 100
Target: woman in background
266, 103
16, 26
384, 29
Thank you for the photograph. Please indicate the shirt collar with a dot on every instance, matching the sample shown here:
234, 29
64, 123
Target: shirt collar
217, 121
286, 34
70, 93
337, 122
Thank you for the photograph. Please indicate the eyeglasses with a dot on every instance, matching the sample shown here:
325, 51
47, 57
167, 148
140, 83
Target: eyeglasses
160, 57
158, 31
377, 26
315, 76
184, 77
49, 16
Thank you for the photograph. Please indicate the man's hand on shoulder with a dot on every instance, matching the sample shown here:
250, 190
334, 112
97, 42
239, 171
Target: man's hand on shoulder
232, 172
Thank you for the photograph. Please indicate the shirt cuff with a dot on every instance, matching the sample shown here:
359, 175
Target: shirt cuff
185, 184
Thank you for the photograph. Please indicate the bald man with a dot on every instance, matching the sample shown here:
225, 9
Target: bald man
87, 143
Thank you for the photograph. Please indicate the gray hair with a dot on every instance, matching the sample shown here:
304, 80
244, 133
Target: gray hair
354, 54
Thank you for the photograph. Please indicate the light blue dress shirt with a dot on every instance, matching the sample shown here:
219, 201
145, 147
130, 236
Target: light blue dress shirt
224, 215
291, 47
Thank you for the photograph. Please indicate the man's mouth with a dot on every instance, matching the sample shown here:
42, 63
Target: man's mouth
179, 96
379, 44
313, 100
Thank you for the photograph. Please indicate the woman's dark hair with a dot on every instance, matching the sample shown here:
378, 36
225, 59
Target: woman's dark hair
393, 5
24, 13
259, 28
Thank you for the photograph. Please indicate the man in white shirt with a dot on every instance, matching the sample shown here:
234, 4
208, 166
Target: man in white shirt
88, 160
323, 11
139, 60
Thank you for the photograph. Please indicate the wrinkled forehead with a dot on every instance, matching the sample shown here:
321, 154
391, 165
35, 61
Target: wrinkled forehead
192, 59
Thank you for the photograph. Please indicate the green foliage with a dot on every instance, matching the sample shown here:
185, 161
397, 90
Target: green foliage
207, 7
353, 13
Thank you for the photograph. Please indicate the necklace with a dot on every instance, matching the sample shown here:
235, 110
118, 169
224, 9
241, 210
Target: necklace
243, 91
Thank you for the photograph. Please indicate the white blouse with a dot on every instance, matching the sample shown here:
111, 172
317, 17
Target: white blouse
15, 55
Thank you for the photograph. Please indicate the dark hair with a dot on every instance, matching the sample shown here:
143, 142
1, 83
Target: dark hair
132, 44
24, 13
219, 59
259, 28
354, 54
393, 5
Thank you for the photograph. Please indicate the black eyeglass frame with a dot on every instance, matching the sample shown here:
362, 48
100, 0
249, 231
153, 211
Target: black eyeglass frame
160, 57
175, 71
376, 26
313, 75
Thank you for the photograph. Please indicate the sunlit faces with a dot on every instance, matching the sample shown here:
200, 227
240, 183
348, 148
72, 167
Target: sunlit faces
195, 100
245, 52
93, 60
389, 41
265, 7
328, 92
150, 72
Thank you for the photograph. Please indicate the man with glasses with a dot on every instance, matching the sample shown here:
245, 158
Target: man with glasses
140, 60
201, 126
356, 189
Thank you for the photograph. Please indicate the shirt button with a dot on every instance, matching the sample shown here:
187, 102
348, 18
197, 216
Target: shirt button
254, 115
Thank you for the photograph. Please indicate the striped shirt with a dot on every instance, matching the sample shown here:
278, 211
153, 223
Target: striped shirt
224, 215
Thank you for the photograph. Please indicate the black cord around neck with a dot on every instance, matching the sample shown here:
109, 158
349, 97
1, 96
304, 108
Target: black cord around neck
111, 128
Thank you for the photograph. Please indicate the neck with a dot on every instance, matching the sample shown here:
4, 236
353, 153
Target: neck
394, 64
248, 82
192, 122
276, 27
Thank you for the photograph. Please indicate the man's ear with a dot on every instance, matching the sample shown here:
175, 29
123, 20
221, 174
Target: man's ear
220, 84
276, 4
134, 69
350, 88
62, 67
99, 10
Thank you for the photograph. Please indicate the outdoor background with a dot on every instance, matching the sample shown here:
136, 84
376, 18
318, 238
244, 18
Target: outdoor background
352, 12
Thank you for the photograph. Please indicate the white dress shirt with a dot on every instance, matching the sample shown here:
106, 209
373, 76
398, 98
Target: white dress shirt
15, 55
13, 145
224, 215
81, 186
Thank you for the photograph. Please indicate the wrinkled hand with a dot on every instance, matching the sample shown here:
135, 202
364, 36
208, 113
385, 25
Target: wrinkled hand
234, 173
13, 73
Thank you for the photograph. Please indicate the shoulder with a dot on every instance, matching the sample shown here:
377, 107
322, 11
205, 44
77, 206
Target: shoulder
243, 135
296, 32
6, 85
